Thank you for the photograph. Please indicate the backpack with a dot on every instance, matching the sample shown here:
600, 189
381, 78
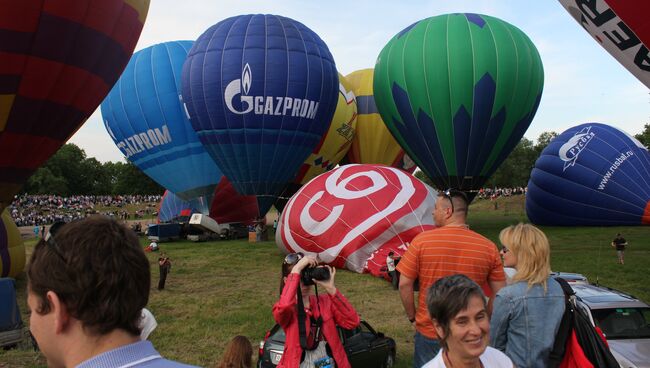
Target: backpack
577, 342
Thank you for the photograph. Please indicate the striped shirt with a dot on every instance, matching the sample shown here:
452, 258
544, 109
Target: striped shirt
445, 251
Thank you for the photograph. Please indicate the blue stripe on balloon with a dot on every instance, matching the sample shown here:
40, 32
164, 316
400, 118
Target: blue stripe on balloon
418, 138
366, 105
257, 136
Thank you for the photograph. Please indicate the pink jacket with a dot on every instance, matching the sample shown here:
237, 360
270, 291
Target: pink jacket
335, 309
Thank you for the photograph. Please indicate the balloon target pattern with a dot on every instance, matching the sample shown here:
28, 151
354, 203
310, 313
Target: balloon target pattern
349, 214
59, 60
592, 174
458, 91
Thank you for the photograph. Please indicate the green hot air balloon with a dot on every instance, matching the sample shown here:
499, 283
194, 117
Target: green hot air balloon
458, 91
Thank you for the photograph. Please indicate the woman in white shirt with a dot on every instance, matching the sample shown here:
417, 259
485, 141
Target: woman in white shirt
458, 311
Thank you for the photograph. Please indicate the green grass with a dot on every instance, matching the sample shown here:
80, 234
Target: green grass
217, 290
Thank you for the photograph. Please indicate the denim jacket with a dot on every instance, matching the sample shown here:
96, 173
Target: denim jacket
524, 322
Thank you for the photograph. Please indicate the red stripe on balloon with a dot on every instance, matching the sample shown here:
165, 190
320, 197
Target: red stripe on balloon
21, 15
42, 79
646, 215
635, 16
101, 16
23, 151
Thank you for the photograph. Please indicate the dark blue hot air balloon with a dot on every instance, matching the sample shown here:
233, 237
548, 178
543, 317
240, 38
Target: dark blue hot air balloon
144, 115
592, 174
260, 91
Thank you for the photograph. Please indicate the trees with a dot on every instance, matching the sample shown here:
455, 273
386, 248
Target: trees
644, 136
70, 172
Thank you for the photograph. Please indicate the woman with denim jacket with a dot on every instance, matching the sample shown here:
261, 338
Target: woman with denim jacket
527, 313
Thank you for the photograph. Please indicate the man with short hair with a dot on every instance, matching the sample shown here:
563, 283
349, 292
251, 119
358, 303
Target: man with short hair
619, 243
390, 268
451, 248
87, 285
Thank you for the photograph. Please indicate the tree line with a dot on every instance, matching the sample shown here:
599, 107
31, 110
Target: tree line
71, 172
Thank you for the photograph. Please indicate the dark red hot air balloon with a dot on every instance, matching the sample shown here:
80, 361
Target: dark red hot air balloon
58, 60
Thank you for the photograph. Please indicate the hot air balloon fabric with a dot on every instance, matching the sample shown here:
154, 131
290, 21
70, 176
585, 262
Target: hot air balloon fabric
373, 143
620, 27
591, 175
59, 60
333, 146
260, 91
144, 116
458, 91
172, 208
12, 248
349, 214
229, 206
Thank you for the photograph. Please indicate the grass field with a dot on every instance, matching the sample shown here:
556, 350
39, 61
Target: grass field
221, 289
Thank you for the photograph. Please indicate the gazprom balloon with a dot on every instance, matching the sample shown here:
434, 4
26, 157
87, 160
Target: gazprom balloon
373, 143
458, 91
145, 117
354, 215
620, 27
59, 59
260, 91
592, 174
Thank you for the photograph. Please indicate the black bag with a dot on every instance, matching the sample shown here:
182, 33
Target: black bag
576, 319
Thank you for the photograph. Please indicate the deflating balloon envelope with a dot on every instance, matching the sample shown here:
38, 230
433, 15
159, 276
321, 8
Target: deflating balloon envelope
592, 174
144, 115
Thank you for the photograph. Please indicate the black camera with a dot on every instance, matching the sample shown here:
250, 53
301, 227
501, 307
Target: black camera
319, 273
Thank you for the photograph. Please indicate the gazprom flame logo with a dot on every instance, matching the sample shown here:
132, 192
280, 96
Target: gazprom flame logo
235, 87
265, 105
570, 151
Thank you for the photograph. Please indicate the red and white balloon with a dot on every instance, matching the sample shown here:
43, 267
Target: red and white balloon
354, 215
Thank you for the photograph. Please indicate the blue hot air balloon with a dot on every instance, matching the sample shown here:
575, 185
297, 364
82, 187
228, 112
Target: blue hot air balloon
260, 91
144, 115
592, 174
172, 208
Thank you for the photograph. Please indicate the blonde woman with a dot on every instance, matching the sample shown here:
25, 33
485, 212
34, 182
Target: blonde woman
527, 313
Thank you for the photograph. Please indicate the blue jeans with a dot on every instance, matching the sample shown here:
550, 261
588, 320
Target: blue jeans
425, 350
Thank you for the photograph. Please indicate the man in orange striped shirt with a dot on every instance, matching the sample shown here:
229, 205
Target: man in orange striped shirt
450, 249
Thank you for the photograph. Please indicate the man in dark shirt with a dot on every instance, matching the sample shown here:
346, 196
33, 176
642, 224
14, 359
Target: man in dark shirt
619, 243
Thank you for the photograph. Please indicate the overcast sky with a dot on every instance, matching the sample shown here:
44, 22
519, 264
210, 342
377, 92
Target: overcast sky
583, 83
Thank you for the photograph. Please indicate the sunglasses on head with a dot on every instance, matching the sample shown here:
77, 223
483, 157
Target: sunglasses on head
451, 193
292, 258
49, 239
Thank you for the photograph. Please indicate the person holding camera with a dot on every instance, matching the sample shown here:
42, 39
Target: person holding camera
308, 319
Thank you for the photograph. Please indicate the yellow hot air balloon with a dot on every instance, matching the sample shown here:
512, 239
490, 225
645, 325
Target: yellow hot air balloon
373, 143
12, 248
337, 140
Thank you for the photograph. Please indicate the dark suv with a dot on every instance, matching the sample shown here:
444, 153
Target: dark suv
363, 346
624, 319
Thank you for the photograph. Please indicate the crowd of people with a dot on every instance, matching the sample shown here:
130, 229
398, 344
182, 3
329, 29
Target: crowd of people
33, 210
494, 193
87, 312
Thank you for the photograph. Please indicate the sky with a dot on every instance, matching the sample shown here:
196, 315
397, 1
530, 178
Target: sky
583, 83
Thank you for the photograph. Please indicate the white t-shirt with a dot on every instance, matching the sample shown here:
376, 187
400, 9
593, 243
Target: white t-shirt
491, 358
390, 263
